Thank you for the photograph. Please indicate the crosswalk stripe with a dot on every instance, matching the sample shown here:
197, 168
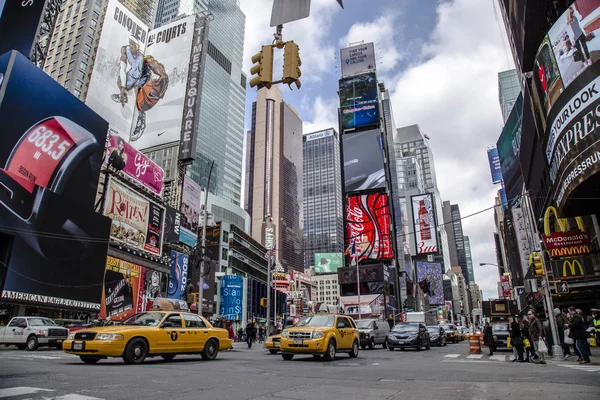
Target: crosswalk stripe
76, 397
498, 358
20, 391
475, 356
452, 355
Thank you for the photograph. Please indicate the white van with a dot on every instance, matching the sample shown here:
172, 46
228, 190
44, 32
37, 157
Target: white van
372, 332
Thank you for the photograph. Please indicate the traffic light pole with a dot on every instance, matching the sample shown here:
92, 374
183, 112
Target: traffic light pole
557, 352
269, 267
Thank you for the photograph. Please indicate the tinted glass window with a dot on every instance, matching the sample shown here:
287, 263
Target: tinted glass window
175, 319
193, 321
15, 322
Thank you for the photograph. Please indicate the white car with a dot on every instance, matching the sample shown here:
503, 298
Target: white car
33, 332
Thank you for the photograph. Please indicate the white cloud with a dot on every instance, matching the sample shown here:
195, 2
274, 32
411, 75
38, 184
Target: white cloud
381, 32
453, 96
324, 113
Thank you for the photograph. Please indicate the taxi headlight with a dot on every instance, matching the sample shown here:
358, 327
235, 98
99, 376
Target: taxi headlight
317, 335
109, 336
285, 334
71, 336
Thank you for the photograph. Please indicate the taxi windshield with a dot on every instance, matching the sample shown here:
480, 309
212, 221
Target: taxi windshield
144, 319
317, 320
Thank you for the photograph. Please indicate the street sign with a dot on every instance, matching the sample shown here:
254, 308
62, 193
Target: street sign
285, 11
561, 287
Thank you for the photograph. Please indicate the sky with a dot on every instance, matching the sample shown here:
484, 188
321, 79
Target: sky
440, 61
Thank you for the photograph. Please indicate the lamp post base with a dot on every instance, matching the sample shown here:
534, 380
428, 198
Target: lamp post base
557, 353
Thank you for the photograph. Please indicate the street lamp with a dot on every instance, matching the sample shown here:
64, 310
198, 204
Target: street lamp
484, 264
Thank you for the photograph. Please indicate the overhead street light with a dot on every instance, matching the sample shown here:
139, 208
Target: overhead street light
483, 264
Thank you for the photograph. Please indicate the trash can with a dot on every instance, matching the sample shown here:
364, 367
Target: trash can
474, 344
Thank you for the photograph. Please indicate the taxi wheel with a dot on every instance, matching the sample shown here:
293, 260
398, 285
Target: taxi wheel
273, 351
136, 351
210, 350
330, 352
168, 357
287, 357
354, 352
89, 359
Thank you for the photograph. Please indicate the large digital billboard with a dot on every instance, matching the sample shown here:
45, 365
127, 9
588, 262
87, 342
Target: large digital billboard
363, 161
136, 221
326, 263
190, 212
432, 274
140, 79
50, 157
178, 277
424, 224
232, 293
359, 101
368, 226
495, 168
358, 59
405, 226
508, 146
570, 142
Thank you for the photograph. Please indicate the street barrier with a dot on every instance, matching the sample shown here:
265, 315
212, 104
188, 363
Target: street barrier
474, 344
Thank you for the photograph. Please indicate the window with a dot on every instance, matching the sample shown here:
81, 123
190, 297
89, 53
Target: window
91, 31
88, 48
224, 253
89, 39
193, 321
85, 57
83, 65
61, 70
78, 84
93, 23
80, 74
175, 320
77, 93
225, 236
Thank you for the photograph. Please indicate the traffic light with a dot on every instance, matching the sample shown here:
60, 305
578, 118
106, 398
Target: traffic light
535, 259
263, 302
291, 64
263, 68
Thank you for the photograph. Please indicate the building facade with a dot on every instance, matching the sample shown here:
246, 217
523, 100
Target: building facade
463, 300
274, 152
469, 259
323, 202
328, 290
509, 88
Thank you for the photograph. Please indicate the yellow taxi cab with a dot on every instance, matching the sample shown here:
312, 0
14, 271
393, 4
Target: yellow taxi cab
322, 334
149, 334
273, 344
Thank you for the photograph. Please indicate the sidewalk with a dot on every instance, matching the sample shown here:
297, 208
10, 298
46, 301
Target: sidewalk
594, 352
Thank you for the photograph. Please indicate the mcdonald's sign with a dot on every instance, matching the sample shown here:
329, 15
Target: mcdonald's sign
564, 242
572, 268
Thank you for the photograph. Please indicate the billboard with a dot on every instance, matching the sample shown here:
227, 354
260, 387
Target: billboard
363, 161
433, 275
405, 226
172, 225
358, 59
19, 21
367, 273
368, 224
495, 168
190, 212
121, 156
178, 277
137, 221
142, 78
565, 242
508, 146
326, 263
359, 101
506, 286
573, 268
424, 224
232, 293
50, 158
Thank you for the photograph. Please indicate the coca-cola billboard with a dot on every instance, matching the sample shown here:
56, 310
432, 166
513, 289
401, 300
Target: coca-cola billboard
123, 157
136, 221
424, 224
368, 224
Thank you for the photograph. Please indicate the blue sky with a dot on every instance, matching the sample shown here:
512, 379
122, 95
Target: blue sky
439, 59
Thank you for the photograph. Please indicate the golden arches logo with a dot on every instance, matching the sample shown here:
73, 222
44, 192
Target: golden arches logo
571, 264
569, 251
559, 223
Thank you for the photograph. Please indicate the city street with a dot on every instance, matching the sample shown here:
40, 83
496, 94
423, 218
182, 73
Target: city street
441, 373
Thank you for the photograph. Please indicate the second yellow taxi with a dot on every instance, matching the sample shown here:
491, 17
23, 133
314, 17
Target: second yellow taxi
149, 334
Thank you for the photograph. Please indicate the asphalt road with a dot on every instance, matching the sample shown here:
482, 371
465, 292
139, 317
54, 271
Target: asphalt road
440, 374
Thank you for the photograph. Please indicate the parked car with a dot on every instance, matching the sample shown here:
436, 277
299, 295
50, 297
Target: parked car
437, 335
33, 332
372, 332
452, 334
501, 332
407, 335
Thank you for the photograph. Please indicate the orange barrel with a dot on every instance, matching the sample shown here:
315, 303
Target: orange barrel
474, 344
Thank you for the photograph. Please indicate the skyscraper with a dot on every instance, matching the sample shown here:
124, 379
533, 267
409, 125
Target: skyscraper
274, 154
469, 259
458, 256
323, 201
509, 88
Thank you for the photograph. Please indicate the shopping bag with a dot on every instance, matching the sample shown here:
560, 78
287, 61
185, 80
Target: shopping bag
508, 343
542, 348
593, 342
568, 340
526, 343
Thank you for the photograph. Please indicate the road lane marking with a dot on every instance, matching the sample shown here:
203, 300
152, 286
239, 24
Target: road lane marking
21, 390
452, 355
74, 396
498, 358
475, 356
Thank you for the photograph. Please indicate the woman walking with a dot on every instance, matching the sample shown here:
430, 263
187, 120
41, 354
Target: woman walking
488, 338
529, 351
516, 339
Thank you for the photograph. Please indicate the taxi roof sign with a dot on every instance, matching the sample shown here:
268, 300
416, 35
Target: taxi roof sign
164, 304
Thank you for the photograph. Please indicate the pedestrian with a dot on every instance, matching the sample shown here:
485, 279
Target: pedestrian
516, 340
562, 324
250, 333
577, 332
537, 335
488, 338
529, 351
596, 323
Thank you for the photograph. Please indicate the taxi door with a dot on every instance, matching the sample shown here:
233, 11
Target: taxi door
172, 335
345, 333
196, 333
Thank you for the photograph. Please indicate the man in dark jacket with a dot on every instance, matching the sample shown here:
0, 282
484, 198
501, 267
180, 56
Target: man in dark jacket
536, 331
488, 338
250, 333
579, 334
562, 324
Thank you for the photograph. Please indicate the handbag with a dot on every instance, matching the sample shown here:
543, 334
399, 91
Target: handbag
568, 340
526, 343
509, 343
517, 341
593, 342
542, 348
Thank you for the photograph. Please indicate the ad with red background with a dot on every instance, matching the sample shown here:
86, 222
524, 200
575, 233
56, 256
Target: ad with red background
368, 223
